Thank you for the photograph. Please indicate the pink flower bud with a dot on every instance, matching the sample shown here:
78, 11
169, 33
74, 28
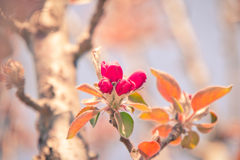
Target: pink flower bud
105, 86
124, 86
138, 77
112, 71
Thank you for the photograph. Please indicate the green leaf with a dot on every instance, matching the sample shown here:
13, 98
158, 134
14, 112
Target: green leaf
190, 141
136, 98
94, 120
125, 123
177, 106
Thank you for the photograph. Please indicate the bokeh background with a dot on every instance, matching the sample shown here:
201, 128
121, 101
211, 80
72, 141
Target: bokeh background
197, 42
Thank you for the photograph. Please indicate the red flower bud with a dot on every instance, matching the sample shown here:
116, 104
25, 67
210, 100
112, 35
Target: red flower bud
124, 86
112, 71
105, 86
138, 77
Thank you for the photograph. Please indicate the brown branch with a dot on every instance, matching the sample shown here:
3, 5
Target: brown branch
177, 130
27, 100
129, 145
86, 44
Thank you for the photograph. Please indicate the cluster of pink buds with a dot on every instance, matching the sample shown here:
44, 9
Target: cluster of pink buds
113, 78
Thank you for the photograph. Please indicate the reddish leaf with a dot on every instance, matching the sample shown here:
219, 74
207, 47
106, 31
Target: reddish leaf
86, 109
140, 106
157, 114
148, 149
80, 121
167, 85
206, 127
89, 89
91, 102
208, 95
177, 141
163, 130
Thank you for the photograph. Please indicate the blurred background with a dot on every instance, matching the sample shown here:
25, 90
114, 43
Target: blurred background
197, 42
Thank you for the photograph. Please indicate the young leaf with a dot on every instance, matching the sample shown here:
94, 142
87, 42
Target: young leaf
190, 141
140, 106
177, 106
199, 114
125, 123
157, 114
176, 142
208, 95
91, 101
89, 89
86, 109
167, 85
80, 121
94, 120
148, 149
163, 130
130, 109
206, 128
136, 98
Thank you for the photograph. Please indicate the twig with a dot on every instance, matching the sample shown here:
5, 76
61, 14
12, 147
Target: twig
129, 145
27, 100
86, 44
177, 130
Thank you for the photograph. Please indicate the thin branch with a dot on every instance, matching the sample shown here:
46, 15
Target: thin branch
27, 100
129, 145
86, 44
177, 130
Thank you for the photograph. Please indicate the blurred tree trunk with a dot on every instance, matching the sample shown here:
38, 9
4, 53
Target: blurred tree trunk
47, 37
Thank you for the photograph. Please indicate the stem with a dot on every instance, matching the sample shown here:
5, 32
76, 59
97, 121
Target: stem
177, 130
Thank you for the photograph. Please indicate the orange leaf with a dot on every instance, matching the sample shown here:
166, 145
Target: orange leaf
89, 89
157, 114
167, 85
208, 127
86, 109
163, 130
80, 121
91, 101
177, 141
140, 106
148, 149
208, 95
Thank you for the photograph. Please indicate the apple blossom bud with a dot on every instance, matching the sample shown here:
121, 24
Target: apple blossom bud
138, 77
105, 86
112, 71
124, 86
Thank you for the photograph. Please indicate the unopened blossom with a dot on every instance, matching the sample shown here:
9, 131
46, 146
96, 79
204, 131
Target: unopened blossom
112, 71
138, 77
105, 86
125, 86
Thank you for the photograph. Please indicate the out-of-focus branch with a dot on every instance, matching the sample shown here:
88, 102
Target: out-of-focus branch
27, 100
86, 44
183, 33
230, 16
